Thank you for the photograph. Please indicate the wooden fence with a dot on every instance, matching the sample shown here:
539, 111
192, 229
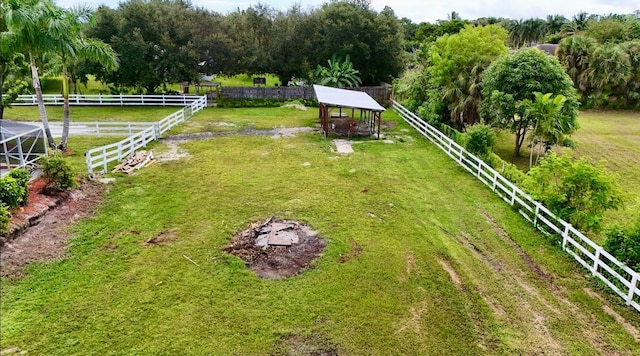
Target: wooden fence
620, 278
379, 93
100, 157
110, 100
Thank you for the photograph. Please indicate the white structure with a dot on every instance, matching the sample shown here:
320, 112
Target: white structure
21, 144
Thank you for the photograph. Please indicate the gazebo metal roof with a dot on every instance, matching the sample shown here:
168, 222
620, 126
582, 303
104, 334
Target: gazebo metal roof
346, 98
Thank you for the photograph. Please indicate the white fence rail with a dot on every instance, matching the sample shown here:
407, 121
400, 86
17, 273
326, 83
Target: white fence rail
100, 128
110, 100
100, 157
620, 278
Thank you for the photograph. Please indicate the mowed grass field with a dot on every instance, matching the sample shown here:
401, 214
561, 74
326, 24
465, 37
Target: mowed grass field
53, 85
609, 136
420, 259
88, 114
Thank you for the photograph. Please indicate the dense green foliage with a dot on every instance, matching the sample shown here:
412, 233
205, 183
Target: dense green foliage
5, 218
516, 77
576, 191
573, 53
456, 64
12, 192
57, 171
480, 139
338, 74
602, 59
177, 42
23, 177
624, 244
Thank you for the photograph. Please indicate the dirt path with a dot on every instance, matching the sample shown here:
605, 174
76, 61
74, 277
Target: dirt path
275, 133
46, 239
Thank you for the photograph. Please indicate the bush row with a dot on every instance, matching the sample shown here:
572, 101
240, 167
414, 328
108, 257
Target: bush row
14, 192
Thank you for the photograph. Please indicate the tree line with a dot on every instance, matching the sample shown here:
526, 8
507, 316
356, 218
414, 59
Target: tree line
165, 41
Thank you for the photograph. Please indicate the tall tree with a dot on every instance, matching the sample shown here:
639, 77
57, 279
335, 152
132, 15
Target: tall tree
516, 77
609, 70
32, 24
574, 54
154, 41
13, 68
373, 41
456, 63
69, 46
292, 47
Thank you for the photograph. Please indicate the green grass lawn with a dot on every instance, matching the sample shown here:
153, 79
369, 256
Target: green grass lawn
446, 267
92, 113
214, 119
54, 85
245, 80
612, 136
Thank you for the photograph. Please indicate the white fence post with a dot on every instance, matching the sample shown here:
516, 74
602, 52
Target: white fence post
104, 154
596, 261
632, 288
565, 237
87, 158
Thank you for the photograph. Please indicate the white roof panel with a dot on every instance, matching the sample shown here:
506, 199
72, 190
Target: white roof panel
346, 98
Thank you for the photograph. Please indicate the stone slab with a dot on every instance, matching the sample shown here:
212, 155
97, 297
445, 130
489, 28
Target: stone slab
343, 146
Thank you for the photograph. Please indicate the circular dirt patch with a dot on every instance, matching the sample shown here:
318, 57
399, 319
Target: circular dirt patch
276, 248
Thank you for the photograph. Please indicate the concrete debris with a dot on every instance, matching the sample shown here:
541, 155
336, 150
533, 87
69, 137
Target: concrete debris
134, 161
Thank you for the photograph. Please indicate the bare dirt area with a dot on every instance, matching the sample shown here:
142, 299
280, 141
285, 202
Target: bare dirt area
40, 232
308, 345
276, 248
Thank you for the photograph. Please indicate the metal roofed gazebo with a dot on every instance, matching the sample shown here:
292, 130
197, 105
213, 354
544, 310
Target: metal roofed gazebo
370, 110
20, 145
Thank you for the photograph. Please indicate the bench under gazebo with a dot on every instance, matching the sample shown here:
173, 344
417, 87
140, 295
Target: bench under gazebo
338, 106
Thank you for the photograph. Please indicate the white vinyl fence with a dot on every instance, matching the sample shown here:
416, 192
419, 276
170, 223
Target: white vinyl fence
110, 100
620, 278
99, 158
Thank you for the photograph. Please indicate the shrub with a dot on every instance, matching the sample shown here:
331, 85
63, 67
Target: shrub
480, 140
624, 244
58, 173
575, 191
513, 173
12, 192
5, 218
23, 177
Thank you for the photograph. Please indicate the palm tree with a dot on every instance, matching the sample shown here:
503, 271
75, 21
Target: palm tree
69, 46
548, 126
574, 53
464, 96
29, 25
609, 68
